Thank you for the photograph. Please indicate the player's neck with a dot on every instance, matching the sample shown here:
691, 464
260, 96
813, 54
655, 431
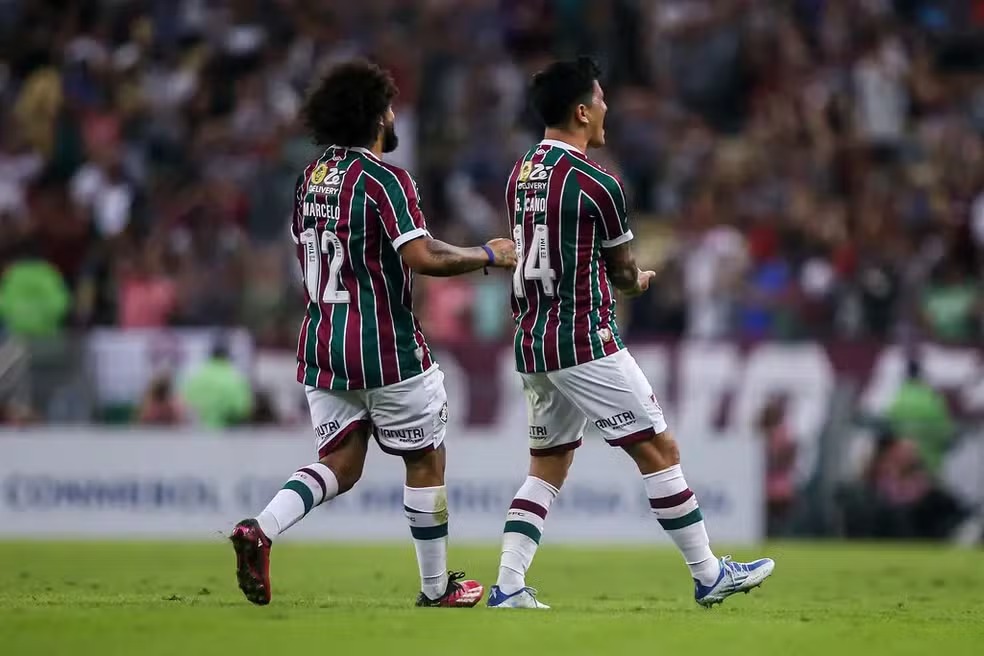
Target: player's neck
572, 138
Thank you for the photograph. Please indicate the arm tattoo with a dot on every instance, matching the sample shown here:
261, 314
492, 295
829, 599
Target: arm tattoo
621, 266
448, 260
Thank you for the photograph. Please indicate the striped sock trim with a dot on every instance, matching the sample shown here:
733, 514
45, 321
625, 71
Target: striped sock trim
524, 528
671, 501
317, 478
676, 523
429, 532
303, 491
529, 506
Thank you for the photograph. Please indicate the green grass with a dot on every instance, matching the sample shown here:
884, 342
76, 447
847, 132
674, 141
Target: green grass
145, 599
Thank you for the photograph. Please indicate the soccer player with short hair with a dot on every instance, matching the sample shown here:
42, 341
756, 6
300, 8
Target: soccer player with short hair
365, 365
571, 230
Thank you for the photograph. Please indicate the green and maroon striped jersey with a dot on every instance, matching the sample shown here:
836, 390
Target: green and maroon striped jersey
352, 211
564, 208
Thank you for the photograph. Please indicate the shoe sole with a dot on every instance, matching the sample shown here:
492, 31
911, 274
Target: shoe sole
246, 552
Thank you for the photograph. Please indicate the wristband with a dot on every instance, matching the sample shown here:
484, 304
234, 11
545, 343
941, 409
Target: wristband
488, 251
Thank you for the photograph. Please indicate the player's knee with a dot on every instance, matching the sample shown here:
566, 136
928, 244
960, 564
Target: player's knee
552, 468
347, 470
667, 447
425, 469
655, 454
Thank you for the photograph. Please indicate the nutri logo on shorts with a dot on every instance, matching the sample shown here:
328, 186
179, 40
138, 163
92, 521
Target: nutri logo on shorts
405, 435
616, 421
326, 430
538, 432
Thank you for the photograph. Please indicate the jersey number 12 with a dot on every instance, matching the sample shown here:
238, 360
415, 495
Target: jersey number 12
330, 246
535, 265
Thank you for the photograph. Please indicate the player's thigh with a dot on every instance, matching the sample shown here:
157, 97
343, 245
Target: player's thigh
615, 396
335, 415
555, 424
410, 417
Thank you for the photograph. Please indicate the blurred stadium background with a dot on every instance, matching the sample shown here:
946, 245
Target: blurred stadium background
807, 178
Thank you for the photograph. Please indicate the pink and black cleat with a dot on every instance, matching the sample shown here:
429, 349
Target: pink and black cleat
252, 561
461, 593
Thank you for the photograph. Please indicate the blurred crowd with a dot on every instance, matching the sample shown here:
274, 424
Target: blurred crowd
797, 168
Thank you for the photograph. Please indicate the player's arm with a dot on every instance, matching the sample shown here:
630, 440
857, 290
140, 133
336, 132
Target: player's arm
616, 244
622, 270
433, 257
399, 210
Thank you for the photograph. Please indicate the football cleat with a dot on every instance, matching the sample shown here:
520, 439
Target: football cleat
734, 578
252, 561
460, 593
522, 598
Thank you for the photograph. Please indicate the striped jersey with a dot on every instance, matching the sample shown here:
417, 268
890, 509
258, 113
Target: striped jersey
352, 211
563, 208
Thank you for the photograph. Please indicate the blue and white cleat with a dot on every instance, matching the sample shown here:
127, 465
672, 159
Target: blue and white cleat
734, 578
522, 598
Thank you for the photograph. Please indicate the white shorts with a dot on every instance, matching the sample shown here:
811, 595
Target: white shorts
611, 392
406, 417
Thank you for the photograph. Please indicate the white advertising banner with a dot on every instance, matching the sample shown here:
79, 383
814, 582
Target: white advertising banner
195, 486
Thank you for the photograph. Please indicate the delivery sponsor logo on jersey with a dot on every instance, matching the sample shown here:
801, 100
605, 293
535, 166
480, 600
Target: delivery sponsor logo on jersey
325, 180
533, 177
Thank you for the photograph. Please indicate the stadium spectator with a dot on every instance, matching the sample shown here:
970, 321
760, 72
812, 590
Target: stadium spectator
34, 300
159, 406
780, 468
921, 414
217, 394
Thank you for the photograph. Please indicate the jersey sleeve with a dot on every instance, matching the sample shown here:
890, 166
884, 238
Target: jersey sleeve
613, 218
399, 208
296, 216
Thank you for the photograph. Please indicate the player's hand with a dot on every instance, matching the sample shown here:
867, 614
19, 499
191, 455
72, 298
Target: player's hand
643, 279
505, 253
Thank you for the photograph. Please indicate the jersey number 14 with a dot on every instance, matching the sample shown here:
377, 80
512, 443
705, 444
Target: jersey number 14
533, 266
328, 248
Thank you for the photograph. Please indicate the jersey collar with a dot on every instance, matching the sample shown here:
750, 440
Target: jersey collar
359, 149
554, 143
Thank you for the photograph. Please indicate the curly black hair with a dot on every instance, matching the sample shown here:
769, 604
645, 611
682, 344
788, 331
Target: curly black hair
560, 87
345, 107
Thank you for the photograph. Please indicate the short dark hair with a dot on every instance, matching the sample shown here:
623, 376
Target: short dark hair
557, 89
345, 107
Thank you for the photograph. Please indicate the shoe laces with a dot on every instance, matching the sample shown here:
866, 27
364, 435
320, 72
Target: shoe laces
733, 565
735, 571
453, 578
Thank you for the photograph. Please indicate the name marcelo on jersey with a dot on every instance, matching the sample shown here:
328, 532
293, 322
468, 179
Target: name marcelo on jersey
321, 211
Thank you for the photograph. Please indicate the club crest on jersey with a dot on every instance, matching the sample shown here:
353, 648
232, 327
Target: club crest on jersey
605, 334
319, 173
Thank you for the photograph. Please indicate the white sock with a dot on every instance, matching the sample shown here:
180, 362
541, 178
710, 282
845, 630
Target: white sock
676, 509
308, 488
521, 534
427, 513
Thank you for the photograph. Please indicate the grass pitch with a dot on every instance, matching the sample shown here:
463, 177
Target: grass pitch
149, 598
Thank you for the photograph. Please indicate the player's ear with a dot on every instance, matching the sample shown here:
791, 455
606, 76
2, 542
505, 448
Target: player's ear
581, 114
